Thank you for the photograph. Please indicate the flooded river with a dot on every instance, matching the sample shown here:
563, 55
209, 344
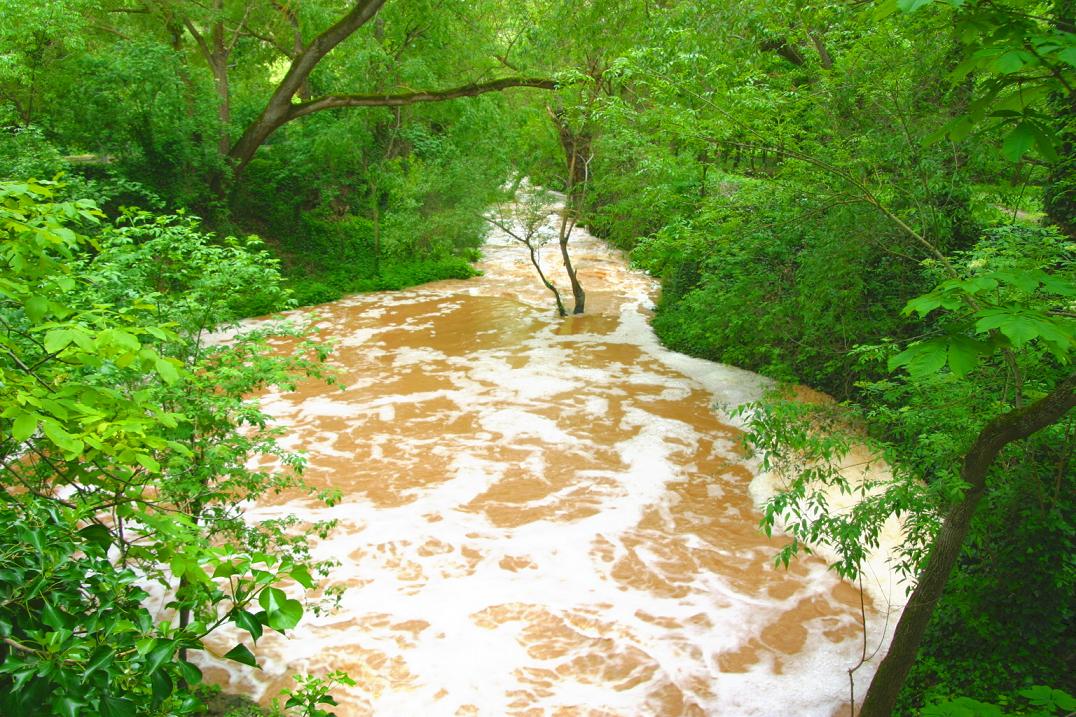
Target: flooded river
545, 516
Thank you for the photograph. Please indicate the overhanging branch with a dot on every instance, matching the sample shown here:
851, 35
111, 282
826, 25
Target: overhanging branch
409, 98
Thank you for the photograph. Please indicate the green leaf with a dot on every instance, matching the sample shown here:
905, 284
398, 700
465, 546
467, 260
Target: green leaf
67, 706
23, 426
162, 686
912, 5
282, 613
240, 653
62, 439
120, 339
167, 371
148, 463
1018, 142
885, 9
190, 672
246, 621
101, 657
113, 707
921, 359
1011, 61
302, 576
160, 654
964, 355
225, 570
57, 339
54, 617
1044, 143
97, 534
36, 307
1015, 326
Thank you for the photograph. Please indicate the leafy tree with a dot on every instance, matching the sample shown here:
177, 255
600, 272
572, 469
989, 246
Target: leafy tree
525, 222
124, 452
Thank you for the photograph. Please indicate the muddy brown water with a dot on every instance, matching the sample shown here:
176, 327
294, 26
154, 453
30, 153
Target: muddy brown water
543, 516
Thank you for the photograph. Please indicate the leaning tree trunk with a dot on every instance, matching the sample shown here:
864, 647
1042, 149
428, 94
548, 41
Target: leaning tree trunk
281, 109
1003, 430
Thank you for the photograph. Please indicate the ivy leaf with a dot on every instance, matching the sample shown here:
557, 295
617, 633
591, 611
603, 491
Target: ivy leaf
113, 707
101, 657
240, 653
67, 706
162, 686
54, 617
160, 654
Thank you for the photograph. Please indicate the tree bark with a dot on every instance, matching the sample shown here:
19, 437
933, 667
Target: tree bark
270, 121
280, 109
1003, 430
578, 294
410, 98
574, 144
276, 109
548, 284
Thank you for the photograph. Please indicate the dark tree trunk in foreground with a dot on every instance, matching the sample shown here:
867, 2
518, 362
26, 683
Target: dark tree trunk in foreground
1013, 426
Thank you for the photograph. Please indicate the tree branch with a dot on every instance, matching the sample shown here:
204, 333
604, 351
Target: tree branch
410, 98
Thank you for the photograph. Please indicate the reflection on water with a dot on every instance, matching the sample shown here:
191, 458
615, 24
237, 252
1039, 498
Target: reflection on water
544, 516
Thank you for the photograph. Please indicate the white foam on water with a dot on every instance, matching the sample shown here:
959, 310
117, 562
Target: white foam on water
540, 553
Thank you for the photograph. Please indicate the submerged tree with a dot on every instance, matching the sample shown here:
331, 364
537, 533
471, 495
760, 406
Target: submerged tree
526, 220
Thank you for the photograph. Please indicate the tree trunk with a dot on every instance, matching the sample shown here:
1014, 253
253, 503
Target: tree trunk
548, 284
277, 108
280, 110
566, 226
576, 145
375, 210
218, 62
1003, 430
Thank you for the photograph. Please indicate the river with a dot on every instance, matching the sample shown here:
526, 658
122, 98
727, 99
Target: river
545, 516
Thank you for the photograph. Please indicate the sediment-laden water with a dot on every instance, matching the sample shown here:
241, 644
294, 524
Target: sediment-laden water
545, 516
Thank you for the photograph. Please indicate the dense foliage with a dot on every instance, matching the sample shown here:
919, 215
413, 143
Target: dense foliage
876, 199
